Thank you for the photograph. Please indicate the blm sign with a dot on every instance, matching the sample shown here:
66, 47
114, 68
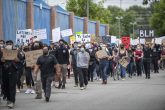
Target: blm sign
146, 33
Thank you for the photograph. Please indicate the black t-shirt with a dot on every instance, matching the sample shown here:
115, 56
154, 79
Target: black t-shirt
47, 65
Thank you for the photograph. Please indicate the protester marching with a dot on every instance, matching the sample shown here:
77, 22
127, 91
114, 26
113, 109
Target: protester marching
43, 65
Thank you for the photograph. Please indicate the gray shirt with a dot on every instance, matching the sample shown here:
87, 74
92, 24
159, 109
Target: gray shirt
83, 59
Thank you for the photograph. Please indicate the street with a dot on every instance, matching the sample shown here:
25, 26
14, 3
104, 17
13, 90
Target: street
137, 93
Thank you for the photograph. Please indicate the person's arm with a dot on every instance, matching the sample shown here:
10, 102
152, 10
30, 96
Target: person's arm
36, 68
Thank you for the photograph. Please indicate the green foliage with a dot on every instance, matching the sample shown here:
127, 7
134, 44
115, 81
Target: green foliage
157, 21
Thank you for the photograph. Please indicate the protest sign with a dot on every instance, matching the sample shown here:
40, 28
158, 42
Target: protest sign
113, 39
56, 34
101, 54
23, 36
32, 56
72, 39
9, 54
40, 34
83, 38
126, 41
67, 32
106, 39
123, 62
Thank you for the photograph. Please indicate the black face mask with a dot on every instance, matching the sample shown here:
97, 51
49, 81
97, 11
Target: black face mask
45, 52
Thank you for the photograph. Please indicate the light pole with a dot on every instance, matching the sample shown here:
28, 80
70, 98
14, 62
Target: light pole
119, 18
133, 24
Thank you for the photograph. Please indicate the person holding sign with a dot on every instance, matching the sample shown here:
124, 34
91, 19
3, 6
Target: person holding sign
11, 66
123, 55
47, 64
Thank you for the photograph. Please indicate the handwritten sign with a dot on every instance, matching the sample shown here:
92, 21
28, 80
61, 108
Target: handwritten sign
23, 36
40, 34
67, 32
83, 38
56, 34
32, 56
123, 62
101, 54
9, 54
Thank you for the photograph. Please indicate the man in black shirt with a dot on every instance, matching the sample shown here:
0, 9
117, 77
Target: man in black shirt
147, 60
47, 64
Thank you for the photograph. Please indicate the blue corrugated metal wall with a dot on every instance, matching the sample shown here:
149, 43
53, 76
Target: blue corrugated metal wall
62, 20
102, 30
42, 20
91, 27
14, 18
78, 24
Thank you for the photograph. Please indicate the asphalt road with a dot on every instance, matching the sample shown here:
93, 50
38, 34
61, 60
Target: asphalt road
137, 93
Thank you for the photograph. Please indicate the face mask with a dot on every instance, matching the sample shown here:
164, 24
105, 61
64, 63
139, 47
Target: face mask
138, 47
9, 47
90, 50
45, 52
82, 49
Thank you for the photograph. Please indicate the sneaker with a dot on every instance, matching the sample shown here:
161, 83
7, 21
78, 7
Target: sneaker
38, 97
33, 92
75, 85
11, 105
28, 91
18, 91
47, 99
59, 87
81, 88
123, 79
63, 86
85, 87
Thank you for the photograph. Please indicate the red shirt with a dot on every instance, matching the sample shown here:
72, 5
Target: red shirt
139, 54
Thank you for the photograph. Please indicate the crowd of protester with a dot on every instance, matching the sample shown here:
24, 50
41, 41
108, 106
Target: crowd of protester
60, 58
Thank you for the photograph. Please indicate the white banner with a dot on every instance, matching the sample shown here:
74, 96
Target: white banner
24, 36
40, 34
66, 33
83, 38
56, 34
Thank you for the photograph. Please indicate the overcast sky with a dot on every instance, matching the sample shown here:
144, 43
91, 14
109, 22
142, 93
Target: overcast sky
124, 3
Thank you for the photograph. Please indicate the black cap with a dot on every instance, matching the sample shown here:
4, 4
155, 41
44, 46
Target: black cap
9, 42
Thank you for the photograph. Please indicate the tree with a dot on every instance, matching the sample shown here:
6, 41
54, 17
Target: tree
157, 20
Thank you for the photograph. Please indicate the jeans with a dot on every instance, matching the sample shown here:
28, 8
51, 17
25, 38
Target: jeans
104, 65
92, 69
46, 85
123, 71
147, 68
75, 72
139, 68
130, 68
83, 76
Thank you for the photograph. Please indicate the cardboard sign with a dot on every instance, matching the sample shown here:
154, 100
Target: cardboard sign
101, 54
83, 38
32, 56
40, 34
23, 36
123, 62
163, 57
9, 54
66, 33
126, 41
56, 34
163, 42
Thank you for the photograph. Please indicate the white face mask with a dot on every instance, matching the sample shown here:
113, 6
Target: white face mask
90, 50
82, 49
9, 47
